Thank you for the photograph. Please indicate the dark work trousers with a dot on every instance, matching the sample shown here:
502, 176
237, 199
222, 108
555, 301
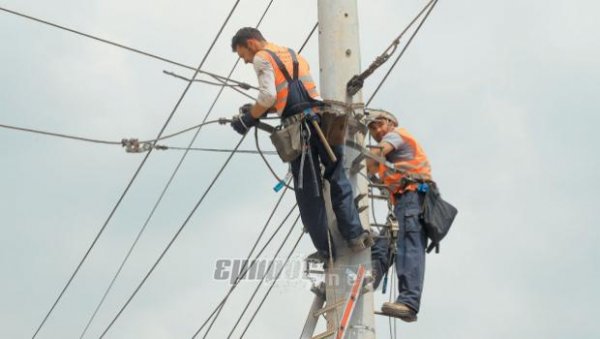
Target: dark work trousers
410, 254
310, 197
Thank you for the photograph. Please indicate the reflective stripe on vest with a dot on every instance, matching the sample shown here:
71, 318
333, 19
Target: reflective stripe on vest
281, 84
417, 168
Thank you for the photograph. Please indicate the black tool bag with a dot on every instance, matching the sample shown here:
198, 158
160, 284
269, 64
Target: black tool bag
437, 217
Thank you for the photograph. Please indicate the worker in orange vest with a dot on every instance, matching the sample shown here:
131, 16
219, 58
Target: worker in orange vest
287, 88
406, 173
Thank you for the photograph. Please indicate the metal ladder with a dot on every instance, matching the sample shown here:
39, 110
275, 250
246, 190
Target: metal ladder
317, 309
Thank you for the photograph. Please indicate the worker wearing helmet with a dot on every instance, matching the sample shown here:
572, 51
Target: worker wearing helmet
405, 171
287, 88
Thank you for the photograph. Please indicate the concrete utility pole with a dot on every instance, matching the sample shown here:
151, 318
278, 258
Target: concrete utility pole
339, 58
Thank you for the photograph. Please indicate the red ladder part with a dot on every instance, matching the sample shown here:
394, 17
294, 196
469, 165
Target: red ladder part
351, 303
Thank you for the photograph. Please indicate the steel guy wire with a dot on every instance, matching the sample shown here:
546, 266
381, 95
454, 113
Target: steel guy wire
431, 7
141, 165
131, 49
287, 236
272, 285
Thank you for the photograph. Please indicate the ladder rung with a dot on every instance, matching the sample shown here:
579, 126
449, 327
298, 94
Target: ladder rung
380, 197
329, 308
324, 335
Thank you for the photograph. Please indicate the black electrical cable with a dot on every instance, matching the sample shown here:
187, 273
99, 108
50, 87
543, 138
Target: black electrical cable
161, 256
217, 309
134, 175
287, 236
106, 142
218, 150
176, 171
272, 285
131, 49
263, 278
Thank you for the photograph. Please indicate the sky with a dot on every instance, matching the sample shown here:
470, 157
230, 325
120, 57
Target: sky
503, 96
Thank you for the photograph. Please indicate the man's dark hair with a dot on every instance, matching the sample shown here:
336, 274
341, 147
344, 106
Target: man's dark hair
243, 35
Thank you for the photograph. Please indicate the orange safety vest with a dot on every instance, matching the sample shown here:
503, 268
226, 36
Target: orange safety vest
281, 84
415, 169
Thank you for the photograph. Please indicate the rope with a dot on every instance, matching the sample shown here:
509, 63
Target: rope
131, 49
431, 6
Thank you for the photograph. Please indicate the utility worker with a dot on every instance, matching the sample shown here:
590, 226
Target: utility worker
406, 182
287, 88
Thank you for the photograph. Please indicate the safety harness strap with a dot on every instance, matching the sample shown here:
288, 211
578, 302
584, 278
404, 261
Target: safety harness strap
282, 68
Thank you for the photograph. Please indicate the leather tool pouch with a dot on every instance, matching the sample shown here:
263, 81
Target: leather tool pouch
288, 141
334, 127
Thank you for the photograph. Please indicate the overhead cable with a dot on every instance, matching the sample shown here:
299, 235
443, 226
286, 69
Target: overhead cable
173, 176
222, 79
139, 168
262, 280
217, 309
272, 285
166, 249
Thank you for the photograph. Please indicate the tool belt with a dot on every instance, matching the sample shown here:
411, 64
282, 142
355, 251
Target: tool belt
287, 138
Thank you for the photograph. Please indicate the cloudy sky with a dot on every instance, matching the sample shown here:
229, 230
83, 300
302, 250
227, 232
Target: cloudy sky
503, 96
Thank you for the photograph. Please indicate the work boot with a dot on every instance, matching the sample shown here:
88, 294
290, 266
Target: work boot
362, 242
399, 310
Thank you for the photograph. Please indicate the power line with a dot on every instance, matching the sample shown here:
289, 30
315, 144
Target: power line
262, 279
233, 87
173, 175
168, 184
272, 285
219, 150
220, 78
106, 142
161, 256
60, 135
217, 309
135, 174
431, 6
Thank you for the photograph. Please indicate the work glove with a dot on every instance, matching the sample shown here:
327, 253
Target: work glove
244, 121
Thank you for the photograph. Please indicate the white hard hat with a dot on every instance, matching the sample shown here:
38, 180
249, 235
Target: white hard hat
376, 114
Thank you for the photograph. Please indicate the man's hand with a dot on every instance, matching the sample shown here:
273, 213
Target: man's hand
244, 121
